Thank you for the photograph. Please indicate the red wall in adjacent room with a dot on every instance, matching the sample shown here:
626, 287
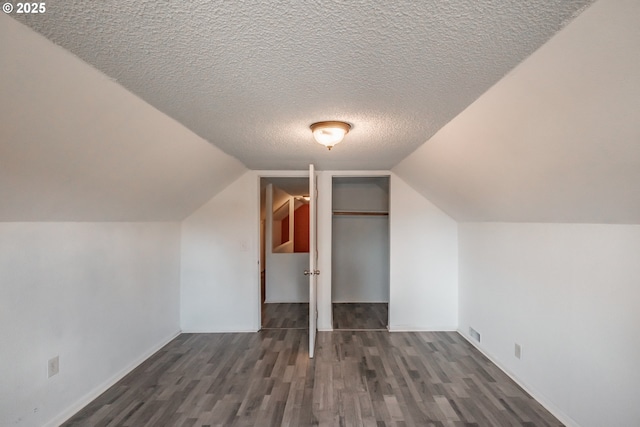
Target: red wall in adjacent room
284, 230
301, 229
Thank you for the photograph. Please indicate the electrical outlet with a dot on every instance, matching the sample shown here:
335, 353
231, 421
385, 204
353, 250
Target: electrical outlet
53, 366
518, 351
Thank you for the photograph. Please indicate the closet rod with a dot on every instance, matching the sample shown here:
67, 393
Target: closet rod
360, 213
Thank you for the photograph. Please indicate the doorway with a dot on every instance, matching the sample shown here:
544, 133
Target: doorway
284, 252
360, 253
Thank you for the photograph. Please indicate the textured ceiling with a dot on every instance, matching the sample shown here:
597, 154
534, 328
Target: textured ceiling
250, 77
556, 140
75, 146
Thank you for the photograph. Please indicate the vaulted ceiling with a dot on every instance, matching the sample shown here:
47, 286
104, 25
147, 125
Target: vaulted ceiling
494, 110
556, 140
75, 146
250, 77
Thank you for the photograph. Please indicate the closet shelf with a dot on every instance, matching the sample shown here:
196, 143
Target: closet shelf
371, 213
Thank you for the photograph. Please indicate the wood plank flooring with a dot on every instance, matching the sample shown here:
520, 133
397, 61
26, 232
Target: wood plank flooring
360, 315
285, 316
357, 379
350, 316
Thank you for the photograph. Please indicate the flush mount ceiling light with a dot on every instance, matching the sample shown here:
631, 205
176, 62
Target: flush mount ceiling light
329, 133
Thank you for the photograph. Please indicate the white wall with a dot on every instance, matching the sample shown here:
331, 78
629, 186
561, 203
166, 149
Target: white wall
219, 271
360, 259
360, 194
360, 248
423, 258
285, 279
424, 263
101, 296
569, 295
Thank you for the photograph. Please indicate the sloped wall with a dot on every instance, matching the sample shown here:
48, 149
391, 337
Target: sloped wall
556, 140
77, 146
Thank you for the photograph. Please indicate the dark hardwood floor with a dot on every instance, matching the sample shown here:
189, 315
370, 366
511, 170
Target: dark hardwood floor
360, 315
357, 378
346, 316
285, 316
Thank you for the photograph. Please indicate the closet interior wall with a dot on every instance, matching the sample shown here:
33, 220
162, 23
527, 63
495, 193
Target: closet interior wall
360, 240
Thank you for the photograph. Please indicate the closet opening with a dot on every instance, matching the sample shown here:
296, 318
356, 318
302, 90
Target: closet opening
360, 253
284, 252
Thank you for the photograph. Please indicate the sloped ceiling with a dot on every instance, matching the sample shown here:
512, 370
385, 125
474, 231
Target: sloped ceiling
250, 77
75, 146
556, 140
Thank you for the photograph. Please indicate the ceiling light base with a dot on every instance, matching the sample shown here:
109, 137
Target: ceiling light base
329, 133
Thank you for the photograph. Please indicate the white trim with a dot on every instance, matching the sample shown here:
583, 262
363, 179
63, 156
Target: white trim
286, 302
97, 391
357, 173
359, 302
324, 284
555, 411
220, 331
421, 329
328, 211
259, 174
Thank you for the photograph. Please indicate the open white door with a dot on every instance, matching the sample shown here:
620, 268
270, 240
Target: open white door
313, 260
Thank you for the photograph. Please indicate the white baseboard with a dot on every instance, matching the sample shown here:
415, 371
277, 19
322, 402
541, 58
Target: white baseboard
555, 411
93, 394
219, 331
405, 328
285, 302
360, 302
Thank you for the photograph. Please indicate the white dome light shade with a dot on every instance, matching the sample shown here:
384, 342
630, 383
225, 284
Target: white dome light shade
329, 133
